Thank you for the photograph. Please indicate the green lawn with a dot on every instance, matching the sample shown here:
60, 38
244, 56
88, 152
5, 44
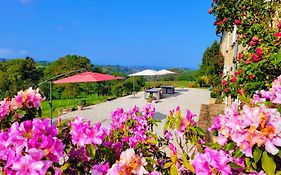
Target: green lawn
59, 104
173, 83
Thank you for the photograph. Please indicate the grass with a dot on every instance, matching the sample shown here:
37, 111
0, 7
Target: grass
59, 104
188, 84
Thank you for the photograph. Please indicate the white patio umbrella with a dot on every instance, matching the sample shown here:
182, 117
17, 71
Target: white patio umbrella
165, 72
147, 72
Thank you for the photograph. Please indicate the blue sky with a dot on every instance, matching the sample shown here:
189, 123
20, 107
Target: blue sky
169, 33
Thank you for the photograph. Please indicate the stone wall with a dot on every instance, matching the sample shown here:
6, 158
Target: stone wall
207, 115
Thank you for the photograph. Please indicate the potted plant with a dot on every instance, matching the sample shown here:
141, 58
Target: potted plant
150, 98
81, 104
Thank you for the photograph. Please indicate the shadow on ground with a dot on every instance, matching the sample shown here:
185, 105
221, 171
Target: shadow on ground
159, 116
165, 96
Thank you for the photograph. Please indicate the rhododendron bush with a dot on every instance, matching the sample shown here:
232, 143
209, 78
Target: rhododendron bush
247, 140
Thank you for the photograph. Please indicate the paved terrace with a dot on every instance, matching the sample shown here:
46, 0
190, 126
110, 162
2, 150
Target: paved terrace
190, 98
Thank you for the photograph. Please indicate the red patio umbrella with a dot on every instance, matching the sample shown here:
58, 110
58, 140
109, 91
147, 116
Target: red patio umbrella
87, 77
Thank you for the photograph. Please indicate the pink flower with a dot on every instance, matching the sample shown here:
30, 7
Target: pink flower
210, 11
173, 149
237, 22
233, 79
251, 76
29, 98
129, 163
154, 173
255, 58
210, 162
259, 51
240, 56
100, 169
240, 91
4, 108
254, 41
224, 82
83, 133
26, 165
277, 35
236, 73
279, 25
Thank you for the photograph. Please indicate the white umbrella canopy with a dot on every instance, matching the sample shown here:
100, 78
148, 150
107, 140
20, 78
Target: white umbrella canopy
165, 72
147, 72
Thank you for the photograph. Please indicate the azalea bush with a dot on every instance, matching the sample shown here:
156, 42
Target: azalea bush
247, 140
259, 33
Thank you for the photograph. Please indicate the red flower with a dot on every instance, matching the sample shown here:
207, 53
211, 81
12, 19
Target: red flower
237, 22
224, 82
240, 56
255, 39
226, 89
279, 25
255, 58
233, 79
252, 43
210, 11
236, 73
259, 51
251, 76
247, 61
224, 20
277, 35
240, 91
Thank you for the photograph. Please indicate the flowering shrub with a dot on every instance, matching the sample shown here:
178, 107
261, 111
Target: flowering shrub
259, 32
248, 141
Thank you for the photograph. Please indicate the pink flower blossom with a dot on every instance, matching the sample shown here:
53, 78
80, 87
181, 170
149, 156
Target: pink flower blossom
100, 169
255, 58
211, 162
26, 165
259, 51
277, 35
237, 22
4, 108
129, 163
83, 133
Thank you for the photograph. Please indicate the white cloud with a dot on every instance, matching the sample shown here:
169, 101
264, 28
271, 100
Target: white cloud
25, 1
23, 52
5, 52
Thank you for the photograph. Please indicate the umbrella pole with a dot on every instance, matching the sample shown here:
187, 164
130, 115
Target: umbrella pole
50, 102
134, 85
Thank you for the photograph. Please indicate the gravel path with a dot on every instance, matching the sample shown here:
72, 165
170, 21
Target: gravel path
190, 98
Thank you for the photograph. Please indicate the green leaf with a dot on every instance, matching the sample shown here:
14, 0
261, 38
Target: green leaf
257, 154
234, 165
167, 165
200, 131
65, 166
248, 162
229, 146
238, 153
174, 170
152, 141
92, 151
268, 164
216, 146
187, 164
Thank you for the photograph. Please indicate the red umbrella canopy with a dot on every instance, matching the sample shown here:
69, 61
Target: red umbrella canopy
87, 77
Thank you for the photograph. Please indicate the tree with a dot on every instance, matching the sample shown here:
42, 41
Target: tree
63, 65
211, 68
18, 74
